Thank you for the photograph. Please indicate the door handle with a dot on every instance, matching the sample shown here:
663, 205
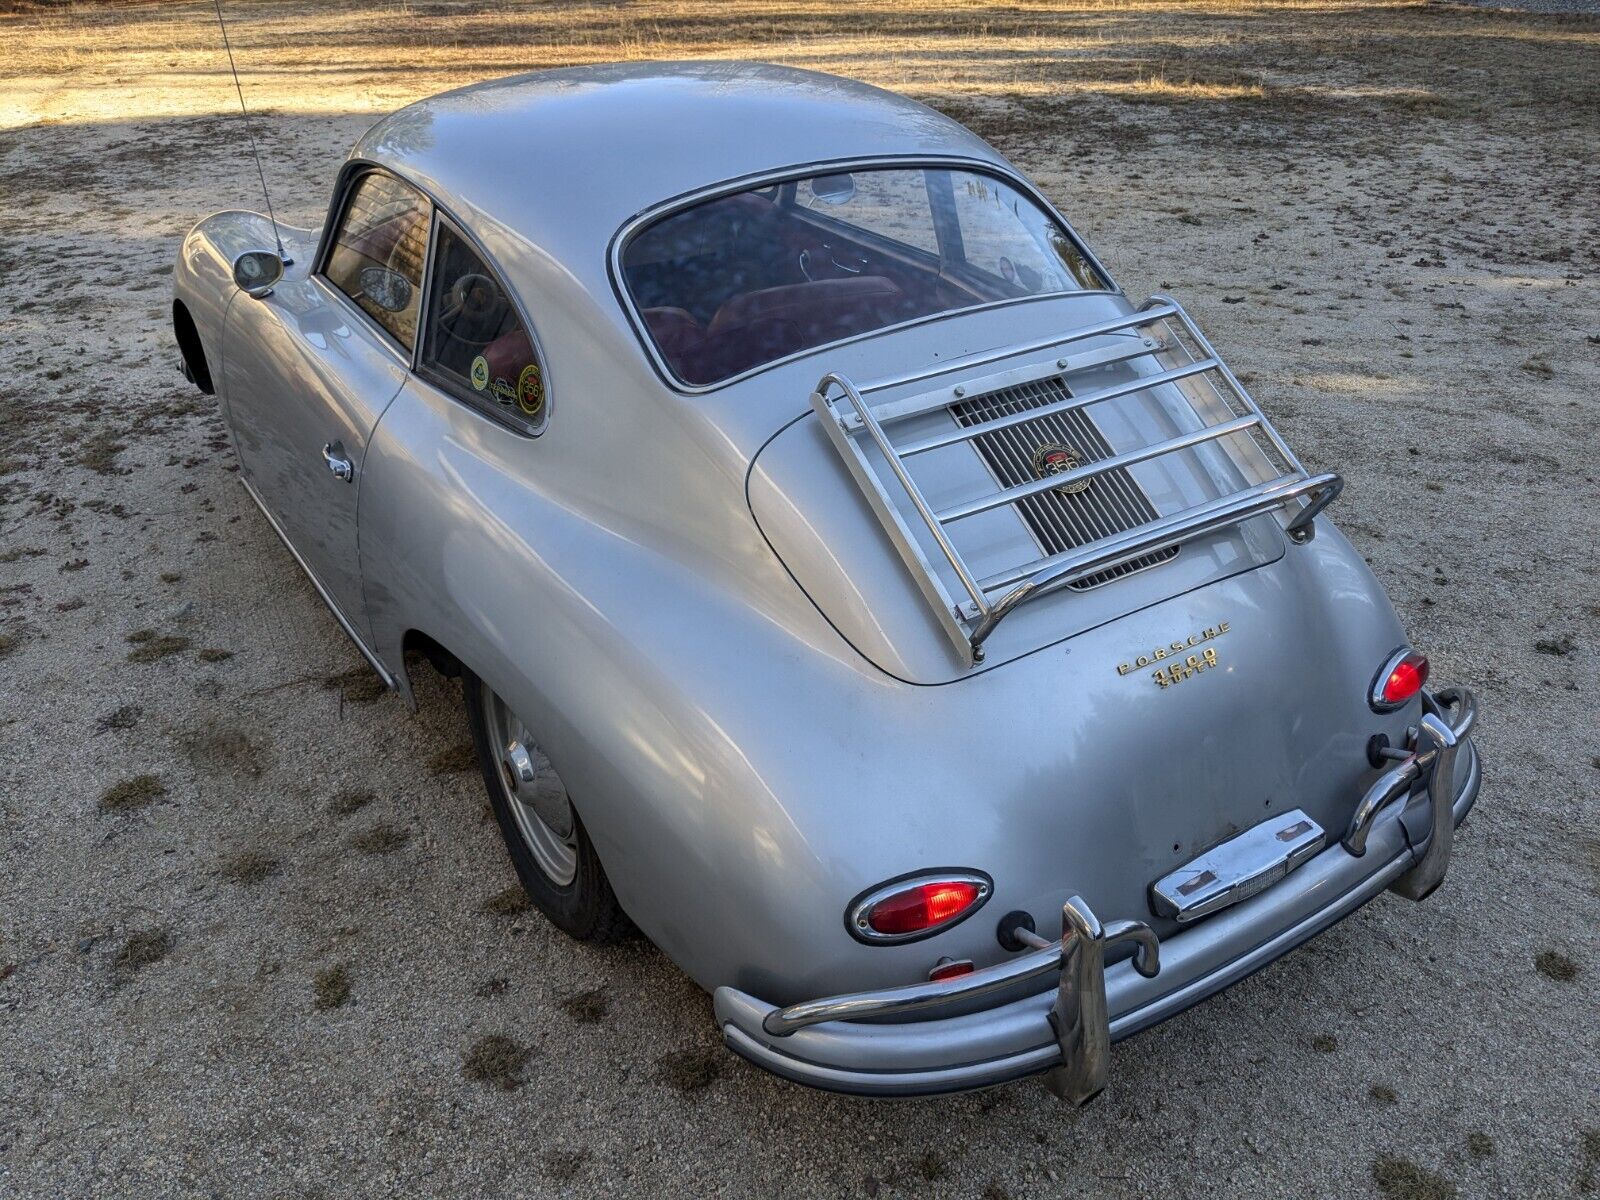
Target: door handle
342, 467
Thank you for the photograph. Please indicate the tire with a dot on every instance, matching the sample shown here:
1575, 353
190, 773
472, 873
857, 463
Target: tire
554, 858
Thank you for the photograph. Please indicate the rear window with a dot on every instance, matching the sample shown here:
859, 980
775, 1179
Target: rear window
743, 280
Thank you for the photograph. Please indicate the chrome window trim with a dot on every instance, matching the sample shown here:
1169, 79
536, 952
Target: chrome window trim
348, 174
855, 917
348, 178
635, 224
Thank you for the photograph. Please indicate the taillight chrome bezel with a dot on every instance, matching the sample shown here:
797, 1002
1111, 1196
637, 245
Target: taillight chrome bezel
1377, 694
856, 914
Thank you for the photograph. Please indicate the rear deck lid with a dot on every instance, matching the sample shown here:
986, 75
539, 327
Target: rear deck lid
855, 538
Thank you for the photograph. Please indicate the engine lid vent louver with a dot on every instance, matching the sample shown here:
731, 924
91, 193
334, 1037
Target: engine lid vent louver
1061, 519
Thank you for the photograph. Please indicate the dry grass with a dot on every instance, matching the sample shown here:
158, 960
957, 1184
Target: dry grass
498, 1060
587, 1007
358, 685
507, 903
151, 647
143, 949
1552, 964
252, 866
331, 988
562, 1166
1401, 1179
453, 759
349, 801
381, 839
139, 792
690, 1071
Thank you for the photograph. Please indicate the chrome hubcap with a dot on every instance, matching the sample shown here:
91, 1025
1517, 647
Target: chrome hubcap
535, 794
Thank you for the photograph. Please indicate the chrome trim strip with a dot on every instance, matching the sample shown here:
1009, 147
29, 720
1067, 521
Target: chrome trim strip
1133, 346
913, 997
344, 623
1175, 530
967, 433
1089, 470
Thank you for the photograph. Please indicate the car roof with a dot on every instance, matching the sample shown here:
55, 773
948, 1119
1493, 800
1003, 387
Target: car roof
563, 158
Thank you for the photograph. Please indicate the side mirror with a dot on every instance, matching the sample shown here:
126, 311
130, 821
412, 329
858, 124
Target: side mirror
256, 272
834, 189
389, 290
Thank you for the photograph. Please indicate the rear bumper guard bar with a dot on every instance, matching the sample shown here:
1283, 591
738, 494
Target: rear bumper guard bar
1430, 764
1078, 1064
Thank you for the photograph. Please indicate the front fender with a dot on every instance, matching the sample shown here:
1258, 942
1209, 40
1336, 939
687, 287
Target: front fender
202, 278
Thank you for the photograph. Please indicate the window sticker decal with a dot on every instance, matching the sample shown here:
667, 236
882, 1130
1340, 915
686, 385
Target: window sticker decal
530, 390
480, 372
503, 391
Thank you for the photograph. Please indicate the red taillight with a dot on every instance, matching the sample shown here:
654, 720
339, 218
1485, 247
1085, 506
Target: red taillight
1400, 679
921, 907
903, 911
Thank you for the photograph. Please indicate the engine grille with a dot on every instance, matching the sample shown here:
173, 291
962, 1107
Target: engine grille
1110, 504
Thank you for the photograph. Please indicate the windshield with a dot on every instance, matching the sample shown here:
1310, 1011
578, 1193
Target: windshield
743, 280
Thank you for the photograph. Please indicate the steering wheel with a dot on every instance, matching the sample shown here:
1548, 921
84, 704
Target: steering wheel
468, 301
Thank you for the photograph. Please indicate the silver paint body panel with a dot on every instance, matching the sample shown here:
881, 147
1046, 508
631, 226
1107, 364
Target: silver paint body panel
712, 642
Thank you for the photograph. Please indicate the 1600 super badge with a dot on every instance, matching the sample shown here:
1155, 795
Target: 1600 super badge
1176, 665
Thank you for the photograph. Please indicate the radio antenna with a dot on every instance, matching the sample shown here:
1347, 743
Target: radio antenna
249, 131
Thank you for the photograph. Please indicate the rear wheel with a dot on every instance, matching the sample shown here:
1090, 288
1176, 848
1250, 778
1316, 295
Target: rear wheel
547, 842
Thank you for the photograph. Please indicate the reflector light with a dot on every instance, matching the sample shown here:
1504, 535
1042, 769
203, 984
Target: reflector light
1400, 679
950, 968
922, 906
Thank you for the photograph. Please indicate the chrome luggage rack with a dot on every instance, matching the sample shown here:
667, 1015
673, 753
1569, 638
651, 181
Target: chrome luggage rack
1160, 330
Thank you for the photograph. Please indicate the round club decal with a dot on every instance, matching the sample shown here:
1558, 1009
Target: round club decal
1055, 458
530, 390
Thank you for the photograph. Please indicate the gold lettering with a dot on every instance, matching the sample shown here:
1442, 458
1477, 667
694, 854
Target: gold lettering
1176, 672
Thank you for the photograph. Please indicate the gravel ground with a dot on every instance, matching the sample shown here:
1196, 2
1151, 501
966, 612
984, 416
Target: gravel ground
254, 933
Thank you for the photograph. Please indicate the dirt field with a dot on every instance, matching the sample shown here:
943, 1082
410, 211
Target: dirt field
254, 935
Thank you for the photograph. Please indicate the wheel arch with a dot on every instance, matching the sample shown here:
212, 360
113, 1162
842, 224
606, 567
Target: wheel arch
195, 366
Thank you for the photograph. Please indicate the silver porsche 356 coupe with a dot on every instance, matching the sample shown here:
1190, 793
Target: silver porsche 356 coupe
936, 653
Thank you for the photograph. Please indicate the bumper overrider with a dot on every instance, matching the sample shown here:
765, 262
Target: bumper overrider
1258, 905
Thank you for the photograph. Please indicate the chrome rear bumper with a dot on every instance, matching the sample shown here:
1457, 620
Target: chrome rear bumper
1068, 1031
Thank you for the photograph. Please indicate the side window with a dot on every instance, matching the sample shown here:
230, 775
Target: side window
379, 250
475, 340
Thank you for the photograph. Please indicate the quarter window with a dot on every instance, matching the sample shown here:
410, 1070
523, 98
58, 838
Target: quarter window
476, 342
379, 250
